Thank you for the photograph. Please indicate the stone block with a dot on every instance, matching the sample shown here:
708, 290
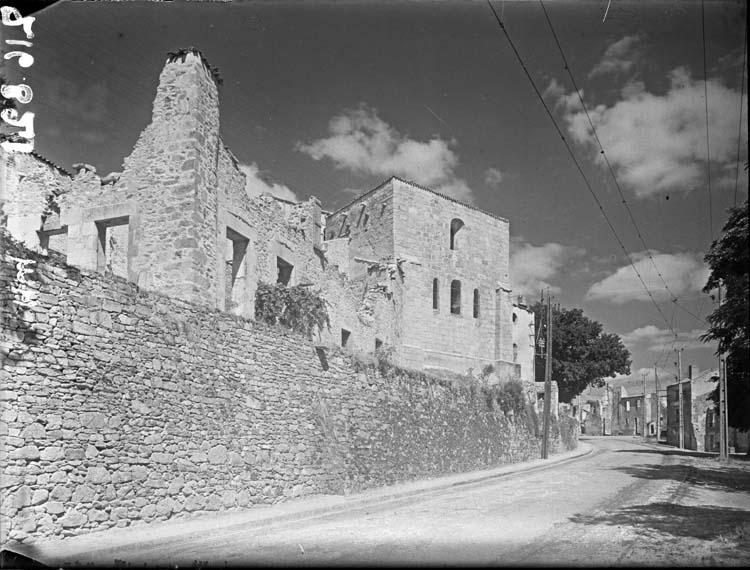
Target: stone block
60, 493
217, 455
51, 453
54, 507
28, 452
73, 519
84, 494
21, 498
39, 496
98, 475
93, 420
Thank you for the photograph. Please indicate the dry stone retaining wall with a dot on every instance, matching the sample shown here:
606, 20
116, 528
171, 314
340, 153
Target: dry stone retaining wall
119, 406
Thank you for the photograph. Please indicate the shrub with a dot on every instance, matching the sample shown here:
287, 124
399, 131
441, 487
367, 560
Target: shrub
509, 397
298, 308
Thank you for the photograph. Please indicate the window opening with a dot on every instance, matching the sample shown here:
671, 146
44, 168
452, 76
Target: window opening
284, 271
515, 352
236, 251
345, 334
435, 294
515, 317
361, 215
112, 247
476, 303
378, 344
456, 297
456, 226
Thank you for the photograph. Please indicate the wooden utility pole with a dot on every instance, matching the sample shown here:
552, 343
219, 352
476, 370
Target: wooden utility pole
724, 425
643, 429
547, 379
680, 419
723, 412
658, 406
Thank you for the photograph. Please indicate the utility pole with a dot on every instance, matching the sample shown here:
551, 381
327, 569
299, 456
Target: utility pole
547, 379
723, 415
724, 425
644, 406
681, 437
658, 406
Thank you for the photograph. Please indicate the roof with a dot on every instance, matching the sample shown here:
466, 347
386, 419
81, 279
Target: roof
430, 190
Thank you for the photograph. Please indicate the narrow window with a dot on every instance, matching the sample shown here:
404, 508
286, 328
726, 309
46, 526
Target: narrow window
378, 344
361, 215
435, 294
515, 352
627, 406
456, 297
456, 225
284, 271
345, 334
476, 303
236, 250
515, 317
365, 220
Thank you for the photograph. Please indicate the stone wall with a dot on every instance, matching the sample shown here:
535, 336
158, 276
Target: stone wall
121, 406
26, 183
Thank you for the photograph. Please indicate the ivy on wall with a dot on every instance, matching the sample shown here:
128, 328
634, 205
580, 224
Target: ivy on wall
299, 308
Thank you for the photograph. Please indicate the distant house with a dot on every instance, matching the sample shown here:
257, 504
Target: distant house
701, 427
628, 417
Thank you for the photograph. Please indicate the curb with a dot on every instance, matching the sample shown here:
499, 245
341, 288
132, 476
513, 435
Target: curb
57, 550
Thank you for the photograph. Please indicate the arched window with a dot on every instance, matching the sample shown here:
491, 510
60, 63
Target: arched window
476, 303
456, 297
515, 352
435, 294
456, 226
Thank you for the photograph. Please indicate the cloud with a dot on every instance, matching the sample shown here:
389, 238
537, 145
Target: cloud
657, 143
620, 57
363, 143
685, 273
493, 177
257, 184
532, 266
655, 339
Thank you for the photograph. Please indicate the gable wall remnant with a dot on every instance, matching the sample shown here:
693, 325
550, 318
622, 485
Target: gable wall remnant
121, 406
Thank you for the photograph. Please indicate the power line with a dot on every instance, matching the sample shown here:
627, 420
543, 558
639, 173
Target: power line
739, 123
609, 165
708, 144
578, 166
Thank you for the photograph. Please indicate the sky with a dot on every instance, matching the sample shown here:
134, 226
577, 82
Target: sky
332, 98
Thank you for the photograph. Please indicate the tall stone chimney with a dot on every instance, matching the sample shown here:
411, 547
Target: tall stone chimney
171, 178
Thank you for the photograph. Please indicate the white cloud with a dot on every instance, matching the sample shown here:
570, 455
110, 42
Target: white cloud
655, 339
532, 266
363, 143
493, 177
620, 57
657, 143
685, 273
257, 184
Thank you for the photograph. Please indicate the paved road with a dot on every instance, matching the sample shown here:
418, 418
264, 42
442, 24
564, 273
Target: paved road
626, 503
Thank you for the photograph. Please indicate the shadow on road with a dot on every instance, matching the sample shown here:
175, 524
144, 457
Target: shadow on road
726, 479
703, 522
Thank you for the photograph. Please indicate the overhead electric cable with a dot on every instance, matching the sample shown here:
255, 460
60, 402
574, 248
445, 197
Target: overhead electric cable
578, 166
739, 123
609, 165
708, 138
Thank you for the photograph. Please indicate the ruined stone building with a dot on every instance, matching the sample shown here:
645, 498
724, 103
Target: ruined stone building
402, 267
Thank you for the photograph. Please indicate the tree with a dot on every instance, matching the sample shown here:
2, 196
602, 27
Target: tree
582, 354
729, 262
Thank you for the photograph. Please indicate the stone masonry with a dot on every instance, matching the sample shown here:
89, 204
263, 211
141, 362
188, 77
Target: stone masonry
121, 406
402, 267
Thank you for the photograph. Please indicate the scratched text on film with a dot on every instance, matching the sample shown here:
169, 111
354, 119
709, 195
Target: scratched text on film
22, 93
